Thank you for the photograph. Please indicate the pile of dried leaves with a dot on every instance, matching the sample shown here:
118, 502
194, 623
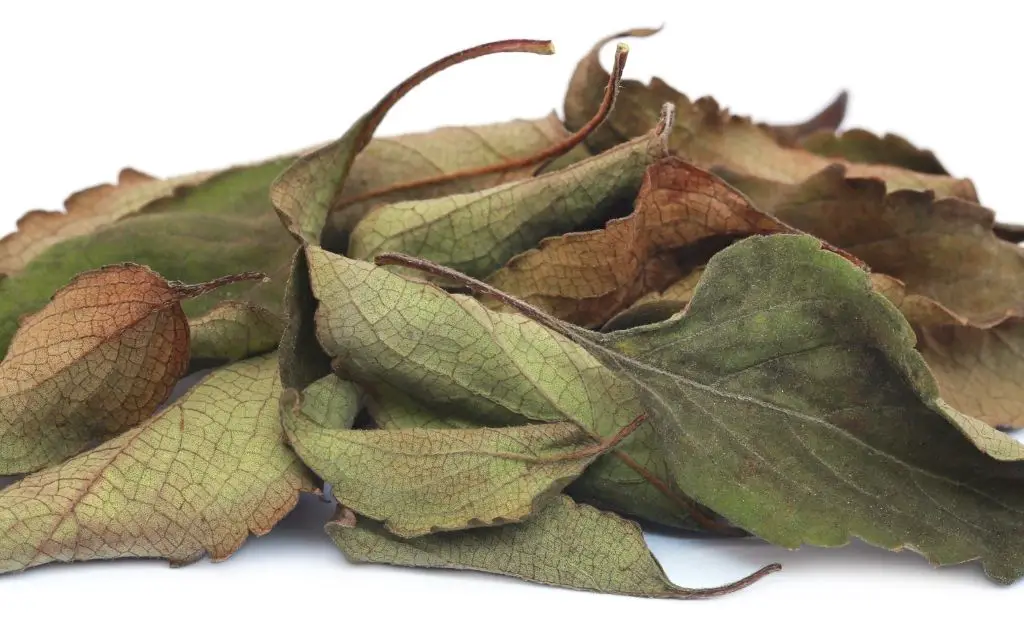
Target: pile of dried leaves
497, 343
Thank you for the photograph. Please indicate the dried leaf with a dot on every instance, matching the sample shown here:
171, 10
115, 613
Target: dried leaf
654, 307
219, 227
302, 359
710, 137
979, 370
305, 194
454, 364
99, 358
565, 544
942, 249
478, 232
84, 212
421, 481
195, 479
442, 162
861, 146
790, 400
232, 331
587, 278
824, 123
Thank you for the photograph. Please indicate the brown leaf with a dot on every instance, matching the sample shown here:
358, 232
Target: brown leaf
980, 371
681, 212
710, 137
861, 146
99, 358
84, 212
825, 122
942, 249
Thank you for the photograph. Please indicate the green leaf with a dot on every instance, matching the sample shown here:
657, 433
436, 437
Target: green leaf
232, 331
421, 481
453, 364
789, 398
305, 194
195, 479
478, 232
565, 544
218, 228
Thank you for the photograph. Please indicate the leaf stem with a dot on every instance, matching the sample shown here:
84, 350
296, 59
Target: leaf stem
540, 159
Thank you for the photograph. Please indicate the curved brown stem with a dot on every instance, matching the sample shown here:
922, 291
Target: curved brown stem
540, 159
707, 593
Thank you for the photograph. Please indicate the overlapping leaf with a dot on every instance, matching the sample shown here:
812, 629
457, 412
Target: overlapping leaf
456, 364
420, 481
232, 331
789, 399
680, 212
565, 544
100, 357
709, 136
195, 479
861, 146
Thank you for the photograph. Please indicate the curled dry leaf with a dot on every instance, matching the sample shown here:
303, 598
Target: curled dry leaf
565, 544
789, 399
710, 137
437, 479
825, 122
100, 357
861, 146
195, 479
305, 193
434, 360
84, 212
478, 232
232, 331
587, 278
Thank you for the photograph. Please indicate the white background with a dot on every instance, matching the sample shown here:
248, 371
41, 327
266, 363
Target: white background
87, 88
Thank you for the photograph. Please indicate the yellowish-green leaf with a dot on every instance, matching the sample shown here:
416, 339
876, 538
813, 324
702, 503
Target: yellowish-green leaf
196, 479
233, 331
565, 544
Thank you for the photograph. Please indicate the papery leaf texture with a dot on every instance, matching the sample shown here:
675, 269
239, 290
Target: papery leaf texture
711, 137
566, 544
232, 331
100, 357
196, 479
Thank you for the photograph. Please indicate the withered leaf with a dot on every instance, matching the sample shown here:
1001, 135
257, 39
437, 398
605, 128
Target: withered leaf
420, 481
478, 232
710, 137
789, 399
84, 212
217, 228
232, 331
565, 544
305, 194
439, 361
100, 357
943, 249
654, 307
587, 278
861, 146
825, 122
195, 479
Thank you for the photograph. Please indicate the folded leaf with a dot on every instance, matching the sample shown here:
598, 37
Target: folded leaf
305, 194
979, 370
586, 278
220, 227
942, 249
302, 360
84, 212
789, 399
861, 146
565, 544
100, 357
478, 232
449, 160
232, 331
654, 307
709, 136
455, 364
824, 123
420, 481
195, 479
